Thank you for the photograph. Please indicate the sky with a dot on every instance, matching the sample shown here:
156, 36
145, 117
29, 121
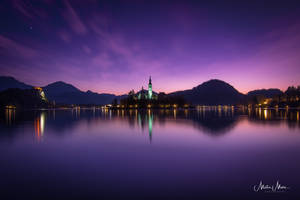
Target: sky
114, 46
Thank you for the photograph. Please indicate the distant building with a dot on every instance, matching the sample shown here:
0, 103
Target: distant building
146, 94
41, 92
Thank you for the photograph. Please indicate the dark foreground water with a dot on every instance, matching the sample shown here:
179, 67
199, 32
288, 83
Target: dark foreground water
151, 154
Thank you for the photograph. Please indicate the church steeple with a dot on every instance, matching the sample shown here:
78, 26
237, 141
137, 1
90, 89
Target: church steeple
150, 89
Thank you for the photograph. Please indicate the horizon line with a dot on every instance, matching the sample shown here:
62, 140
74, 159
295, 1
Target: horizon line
124, 93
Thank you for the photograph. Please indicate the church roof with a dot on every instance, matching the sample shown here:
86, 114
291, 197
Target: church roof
145, 91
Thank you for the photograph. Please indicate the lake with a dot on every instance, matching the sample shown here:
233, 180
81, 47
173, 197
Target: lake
209, 152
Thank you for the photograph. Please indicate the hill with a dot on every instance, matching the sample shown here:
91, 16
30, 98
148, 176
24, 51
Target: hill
268, 93
7, 82
64, 93
212, 92
61, 92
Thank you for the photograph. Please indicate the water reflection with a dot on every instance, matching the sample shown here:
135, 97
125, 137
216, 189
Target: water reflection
213, 120
10, 116
39, 126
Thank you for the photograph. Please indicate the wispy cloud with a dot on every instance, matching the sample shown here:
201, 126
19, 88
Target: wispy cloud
97, 47
22, 7
73, 19
13, 48
64, 36
86, 49
275, 63
28, 10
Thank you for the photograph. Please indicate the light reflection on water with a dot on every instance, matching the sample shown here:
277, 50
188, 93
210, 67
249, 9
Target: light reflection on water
10, 116
39, 126
127, 153
214, 120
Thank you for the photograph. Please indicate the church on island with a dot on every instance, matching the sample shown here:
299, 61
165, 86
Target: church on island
146, 99
146, 94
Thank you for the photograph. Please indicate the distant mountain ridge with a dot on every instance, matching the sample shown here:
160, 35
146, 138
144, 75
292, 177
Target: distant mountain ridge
212, 92
61, 92
7, 82
60, 87
64, 93
268, 93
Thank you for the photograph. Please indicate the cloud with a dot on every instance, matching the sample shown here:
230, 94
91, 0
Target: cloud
275, 63
65, 36
11, 48
28, 10
73, 19
86, 49
111, 40
22, 7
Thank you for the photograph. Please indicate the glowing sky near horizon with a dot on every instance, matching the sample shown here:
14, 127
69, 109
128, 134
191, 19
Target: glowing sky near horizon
114, 46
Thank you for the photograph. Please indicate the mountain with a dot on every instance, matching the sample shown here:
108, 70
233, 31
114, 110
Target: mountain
212, 92
61, 93
64, 93
59, 87
7, 82
268, 93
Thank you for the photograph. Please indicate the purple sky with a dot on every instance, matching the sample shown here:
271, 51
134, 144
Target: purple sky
114, 46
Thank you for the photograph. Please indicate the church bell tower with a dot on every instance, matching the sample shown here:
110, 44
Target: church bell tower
150, 89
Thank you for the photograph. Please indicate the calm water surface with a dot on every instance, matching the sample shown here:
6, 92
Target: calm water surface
151, 154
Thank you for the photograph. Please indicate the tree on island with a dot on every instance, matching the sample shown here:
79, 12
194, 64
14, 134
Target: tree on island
162, 101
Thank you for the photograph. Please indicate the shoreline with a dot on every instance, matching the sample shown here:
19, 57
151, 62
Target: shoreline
152, 108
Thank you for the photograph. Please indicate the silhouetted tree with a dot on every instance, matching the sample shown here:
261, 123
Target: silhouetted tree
115, 102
